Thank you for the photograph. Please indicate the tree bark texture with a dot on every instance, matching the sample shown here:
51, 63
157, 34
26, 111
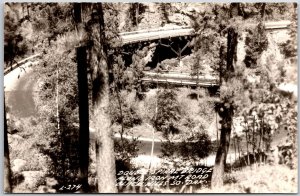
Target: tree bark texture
226, 112
231, 49
77, 12
220, 162
105, 159
83, 117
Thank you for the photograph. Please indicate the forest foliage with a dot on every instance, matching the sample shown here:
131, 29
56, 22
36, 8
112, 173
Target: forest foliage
53, 29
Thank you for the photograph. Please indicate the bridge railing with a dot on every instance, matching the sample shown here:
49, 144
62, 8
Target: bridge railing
277, 24
181, 78
165, 32
155, 30
154, 35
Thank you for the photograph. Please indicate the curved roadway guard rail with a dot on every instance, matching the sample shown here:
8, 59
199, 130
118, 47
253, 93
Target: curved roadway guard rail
16, 65
178, 31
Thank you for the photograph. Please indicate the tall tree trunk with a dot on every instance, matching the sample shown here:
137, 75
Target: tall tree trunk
220, 162
84, 134
253, 140
23, 8
27, 7
239, 150
7, 170
105, 159
226, 112
262, 139
231, 51
262, 11
217, 128
117, 92
234, 145
259, 142
83, 117
248, 159
137, 13
222, 56
60, 129
77, 13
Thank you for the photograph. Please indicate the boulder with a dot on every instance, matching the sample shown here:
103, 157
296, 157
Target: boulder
42, 189
51, 182
33, 179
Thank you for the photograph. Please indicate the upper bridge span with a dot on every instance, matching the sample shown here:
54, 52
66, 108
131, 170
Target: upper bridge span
179, 31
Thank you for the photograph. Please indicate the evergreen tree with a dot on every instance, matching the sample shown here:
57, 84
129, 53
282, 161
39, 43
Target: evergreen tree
168, 112
105, 159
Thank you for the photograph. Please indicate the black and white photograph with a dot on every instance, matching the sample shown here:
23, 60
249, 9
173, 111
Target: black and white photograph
150, 97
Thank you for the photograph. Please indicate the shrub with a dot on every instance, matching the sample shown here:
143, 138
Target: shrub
229, 179
125, 151
129, 116
168, 148
168, 112
206, 109
198, 145
256, 42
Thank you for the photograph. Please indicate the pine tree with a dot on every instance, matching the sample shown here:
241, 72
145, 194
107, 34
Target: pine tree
168, 112
105, 159
81, 57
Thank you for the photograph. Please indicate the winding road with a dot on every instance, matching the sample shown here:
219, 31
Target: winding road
18, 88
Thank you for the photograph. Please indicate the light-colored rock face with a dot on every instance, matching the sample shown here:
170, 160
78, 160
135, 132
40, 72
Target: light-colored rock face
14, 139
288, 87
272, 53
149, 56
18, 165
280, 36
241, 51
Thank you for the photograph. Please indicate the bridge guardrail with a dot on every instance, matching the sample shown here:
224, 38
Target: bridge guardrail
141, 35
270, 24
180, 82
154, 30
182, 78
127, 39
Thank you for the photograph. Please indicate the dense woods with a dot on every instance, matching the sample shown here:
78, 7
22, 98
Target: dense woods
98, 116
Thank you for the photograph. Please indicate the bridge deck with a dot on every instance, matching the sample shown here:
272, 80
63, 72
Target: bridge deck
154, 35
167, 32
205, 80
